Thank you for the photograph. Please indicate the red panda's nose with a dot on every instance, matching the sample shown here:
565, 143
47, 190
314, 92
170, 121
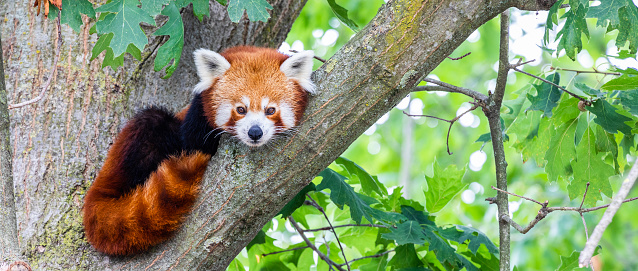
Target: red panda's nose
255, 133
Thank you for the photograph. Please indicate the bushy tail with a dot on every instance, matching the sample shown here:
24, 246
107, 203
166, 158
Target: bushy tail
146, 215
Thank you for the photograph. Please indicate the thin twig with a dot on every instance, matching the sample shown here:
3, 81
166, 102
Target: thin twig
343, 253
460, 57
617, 200
312, 246
587, 102
452, 88
316, 57
451, 122
282, 251
579, 71
523, 197
346, 225
53, 69
584, 195
372, 256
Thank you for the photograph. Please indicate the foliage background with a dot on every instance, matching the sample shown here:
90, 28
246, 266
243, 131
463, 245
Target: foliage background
379, 150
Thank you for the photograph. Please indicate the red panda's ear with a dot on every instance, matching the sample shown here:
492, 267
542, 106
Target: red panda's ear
209, 66
299, 67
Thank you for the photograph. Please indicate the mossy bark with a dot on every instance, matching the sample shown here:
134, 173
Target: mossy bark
60, 142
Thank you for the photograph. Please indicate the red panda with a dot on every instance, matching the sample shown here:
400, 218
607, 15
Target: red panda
151, 176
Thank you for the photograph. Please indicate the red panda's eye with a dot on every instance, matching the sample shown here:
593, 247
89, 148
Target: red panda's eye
270, 111
241, 110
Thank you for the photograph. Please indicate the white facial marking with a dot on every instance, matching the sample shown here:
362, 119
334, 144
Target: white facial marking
299, 67
223, 114
264, 102
246, 101
210, 65
253, 119
287, 115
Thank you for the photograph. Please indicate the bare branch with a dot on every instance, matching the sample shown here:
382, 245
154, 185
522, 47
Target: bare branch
452, 88
343, 253
579, 71
587, 102
451, 122
523, 197
316, 57
617, 200
53, 69
312, 246
282, 251
460, 57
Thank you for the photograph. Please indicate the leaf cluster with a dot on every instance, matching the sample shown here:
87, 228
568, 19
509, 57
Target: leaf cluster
405, 227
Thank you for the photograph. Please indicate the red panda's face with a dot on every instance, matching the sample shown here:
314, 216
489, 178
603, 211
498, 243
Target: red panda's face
254, 93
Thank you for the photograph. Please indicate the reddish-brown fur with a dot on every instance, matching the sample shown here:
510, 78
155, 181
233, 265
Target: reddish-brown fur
120, 224
119, 220
257, 70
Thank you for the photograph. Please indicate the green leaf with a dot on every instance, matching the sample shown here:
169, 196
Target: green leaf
547, 96
589, 167
628, 28
109, 59
629, 99
235, 265
443, 186
201, 8
552, 19
260, 238
408, 232
605, 142
415, 215
475, 238
570, 263
296, 201
561, 151
405, 256
607, 11
590, 91
257, 10
342, 15
124, 22
172, 49
343, 194
624, 82
72, 13
357, 174
533, 136
154, 7
442, 249
607, 117
375, 264
575, 26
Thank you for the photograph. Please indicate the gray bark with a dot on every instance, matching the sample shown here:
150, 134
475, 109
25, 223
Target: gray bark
60, 142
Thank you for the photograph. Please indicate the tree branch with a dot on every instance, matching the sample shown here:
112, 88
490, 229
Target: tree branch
494, 119
343, 253
312, 246
587, 102
346, 225
371, 256
617, 200
452, 88
451, 122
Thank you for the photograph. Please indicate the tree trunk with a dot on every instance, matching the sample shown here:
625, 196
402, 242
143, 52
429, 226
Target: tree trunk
60, 142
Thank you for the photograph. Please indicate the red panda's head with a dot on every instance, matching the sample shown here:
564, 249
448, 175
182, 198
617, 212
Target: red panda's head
253, 93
